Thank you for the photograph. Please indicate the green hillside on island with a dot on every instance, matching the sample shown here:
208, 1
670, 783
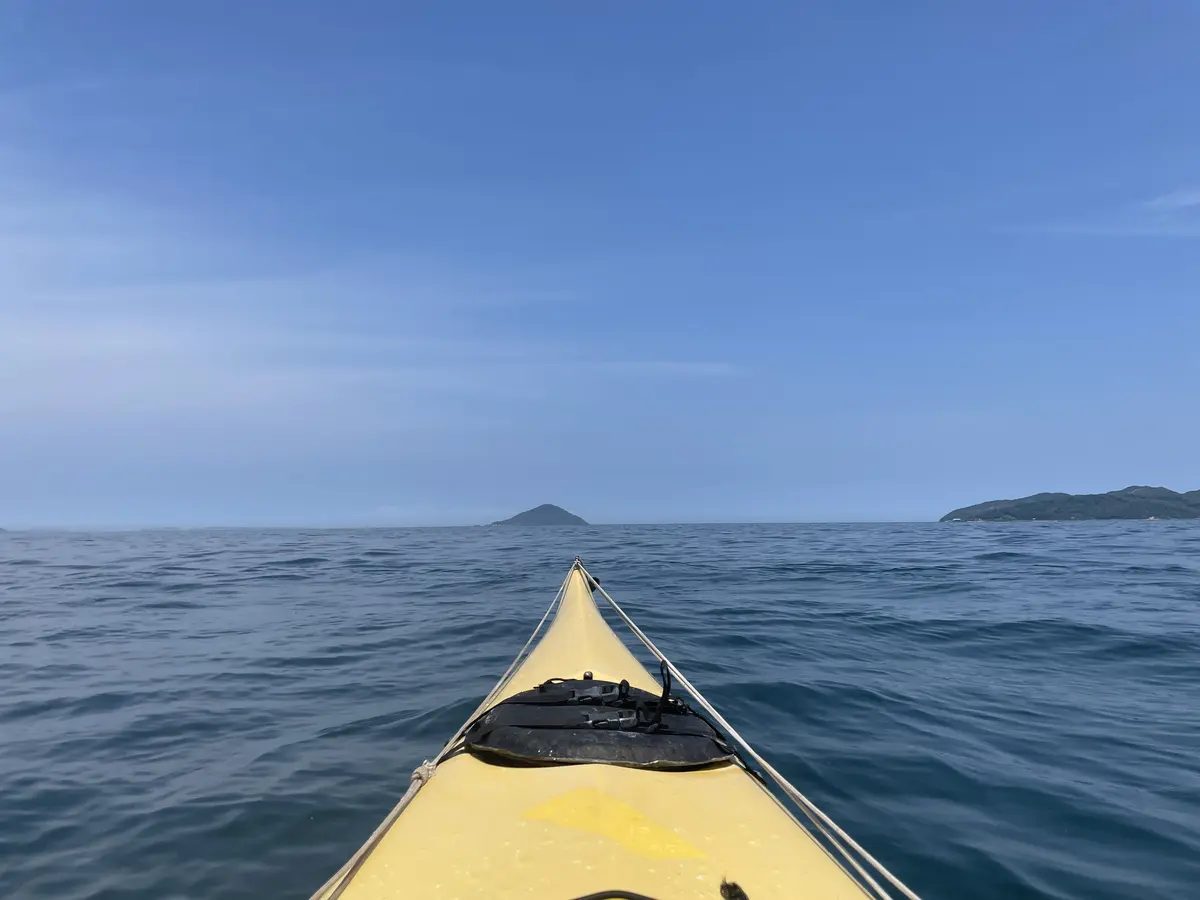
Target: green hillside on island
546, 514
1135, 502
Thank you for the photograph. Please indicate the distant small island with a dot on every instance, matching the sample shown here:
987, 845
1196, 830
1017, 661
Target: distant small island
1136, 502
546, 514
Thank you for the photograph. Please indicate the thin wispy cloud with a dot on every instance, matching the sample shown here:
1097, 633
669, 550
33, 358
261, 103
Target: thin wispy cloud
1172, 215
669, 367
112, 314
1186, 199
1115, 227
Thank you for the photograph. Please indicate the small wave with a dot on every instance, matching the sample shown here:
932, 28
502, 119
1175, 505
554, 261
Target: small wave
1160, 569
1066, 635
301, 561
269, 576
1004, 556
309, 660
105, 701
184, 587
369, 725
171, 604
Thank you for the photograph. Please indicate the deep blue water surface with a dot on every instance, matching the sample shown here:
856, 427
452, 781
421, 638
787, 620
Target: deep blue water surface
995, 711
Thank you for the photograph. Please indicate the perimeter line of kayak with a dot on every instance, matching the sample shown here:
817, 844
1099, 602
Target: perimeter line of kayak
810, 809
425, 770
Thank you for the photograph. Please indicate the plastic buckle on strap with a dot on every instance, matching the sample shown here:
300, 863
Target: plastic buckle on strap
624, 720
593, 693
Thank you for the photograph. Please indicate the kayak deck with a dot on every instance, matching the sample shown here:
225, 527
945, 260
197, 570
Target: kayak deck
478, 829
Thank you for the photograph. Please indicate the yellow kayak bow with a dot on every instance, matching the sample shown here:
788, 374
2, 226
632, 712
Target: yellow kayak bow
473, 826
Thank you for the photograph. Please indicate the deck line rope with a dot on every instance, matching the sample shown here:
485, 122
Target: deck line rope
422, 773
823, 822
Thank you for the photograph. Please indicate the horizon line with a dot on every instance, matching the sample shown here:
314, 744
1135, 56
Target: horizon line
390, 527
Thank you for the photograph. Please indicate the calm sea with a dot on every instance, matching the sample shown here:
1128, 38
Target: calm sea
996, 711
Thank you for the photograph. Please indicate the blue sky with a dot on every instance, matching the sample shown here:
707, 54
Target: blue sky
369, 263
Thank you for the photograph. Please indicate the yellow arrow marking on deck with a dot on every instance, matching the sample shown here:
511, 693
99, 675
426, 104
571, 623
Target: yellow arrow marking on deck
593, 811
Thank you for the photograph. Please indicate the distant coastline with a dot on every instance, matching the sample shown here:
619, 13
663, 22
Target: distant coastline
1135, 502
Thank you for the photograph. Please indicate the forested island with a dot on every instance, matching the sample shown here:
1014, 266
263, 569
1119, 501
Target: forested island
1135, 502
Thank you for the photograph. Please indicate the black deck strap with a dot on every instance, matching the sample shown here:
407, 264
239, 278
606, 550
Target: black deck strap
665, 673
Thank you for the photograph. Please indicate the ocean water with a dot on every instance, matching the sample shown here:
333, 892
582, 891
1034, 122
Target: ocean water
994, 710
